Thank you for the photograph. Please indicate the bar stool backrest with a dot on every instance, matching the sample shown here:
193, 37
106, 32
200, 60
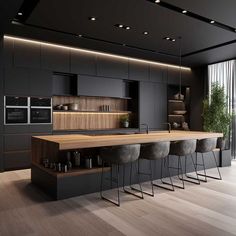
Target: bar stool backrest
154, 151
120, 154
183, 147
206, 145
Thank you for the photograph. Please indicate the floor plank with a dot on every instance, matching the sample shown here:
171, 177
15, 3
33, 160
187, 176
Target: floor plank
208, 209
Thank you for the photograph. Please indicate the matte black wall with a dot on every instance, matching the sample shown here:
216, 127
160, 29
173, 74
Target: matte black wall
27, 71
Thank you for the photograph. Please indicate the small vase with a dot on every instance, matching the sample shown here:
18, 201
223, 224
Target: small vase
221, 143
125, 124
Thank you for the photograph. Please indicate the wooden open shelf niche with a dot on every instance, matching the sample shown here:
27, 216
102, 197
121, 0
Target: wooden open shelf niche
89, 116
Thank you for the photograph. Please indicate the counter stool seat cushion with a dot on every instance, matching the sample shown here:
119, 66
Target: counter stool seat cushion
154, 151
119, 155
206, 145
183, 148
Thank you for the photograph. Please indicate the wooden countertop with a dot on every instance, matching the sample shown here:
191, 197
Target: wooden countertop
77, 141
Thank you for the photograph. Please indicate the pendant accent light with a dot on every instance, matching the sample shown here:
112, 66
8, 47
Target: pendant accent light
179, 95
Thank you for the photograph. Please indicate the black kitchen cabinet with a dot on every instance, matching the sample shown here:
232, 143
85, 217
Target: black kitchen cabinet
16, 81
157, 74
97, 86
40, 82
17, 160
8, 52
112, 67
64, 84
1, 153
153, 104
16, 129
138, 71
83, 63
16, 142
26, 54
55, 59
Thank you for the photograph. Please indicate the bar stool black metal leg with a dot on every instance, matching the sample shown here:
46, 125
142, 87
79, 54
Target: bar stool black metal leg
212, 177
151, 181
180, 168
220, 177
204, 170
171, 183
118, 191
188, 176
127, 191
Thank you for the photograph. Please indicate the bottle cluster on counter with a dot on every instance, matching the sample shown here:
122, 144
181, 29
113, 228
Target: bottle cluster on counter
73, 160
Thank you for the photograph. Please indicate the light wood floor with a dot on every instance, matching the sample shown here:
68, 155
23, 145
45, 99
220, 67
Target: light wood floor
209, 209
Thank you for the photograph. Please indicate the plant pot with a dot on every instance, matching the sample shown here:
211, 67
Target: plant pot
221, 143
125, 124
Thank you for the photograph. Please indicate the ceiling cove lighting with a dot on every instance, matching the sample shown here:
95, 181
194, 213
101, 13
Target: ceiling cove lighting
8, 37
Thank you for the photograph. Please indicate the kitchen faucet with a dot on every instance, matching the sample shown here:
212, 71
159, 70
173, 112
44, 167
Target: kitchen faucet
147, 127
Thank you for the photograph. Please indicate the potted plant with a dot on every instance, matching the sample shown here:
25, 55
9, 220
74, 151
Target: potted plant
216, 117
124, 120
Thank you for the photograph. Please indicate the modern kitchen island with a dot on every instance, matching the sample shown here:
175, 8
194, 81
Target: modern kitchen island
80, 180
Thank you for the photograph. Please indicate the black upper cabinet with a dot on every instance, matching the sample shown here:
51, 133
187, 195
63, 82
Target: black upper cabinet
83, 63
138, 71
1, 153
8, 51
97, 86
55, 59
26, 54
112, 67
40, 83
16, 81
157, 74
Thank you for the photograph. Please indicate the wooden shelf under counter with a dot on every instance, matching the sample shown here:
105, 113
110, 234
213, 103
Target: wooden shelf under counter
73, 172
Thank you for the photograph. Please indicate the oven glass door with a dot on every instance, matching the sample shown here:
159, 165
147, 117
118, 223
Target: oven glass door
16, 116
40, 116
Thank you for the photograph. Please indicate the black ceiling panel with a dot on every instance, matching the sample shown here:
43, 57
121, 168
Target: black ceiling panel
200, 40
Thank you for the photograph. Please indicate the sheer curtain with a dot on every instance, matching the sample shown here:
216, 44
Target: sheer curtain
225, 74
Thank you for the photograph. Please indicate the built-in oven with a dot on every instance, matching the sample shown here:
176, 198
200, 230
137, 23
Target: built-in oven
16, 110
40, 110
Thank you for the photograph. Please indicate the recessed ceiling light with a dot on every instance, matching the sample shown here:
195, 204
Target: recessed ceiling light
124, 44
212, 21
79, 35
120, 26
127, 27
92, 18
184, 11
173, 40
167, 38
20, 14
145, 32
157, 1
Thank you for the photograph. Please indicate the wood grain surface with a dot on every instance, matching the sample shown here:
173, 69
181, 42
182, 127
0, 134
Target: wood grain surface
208, 209
70, 142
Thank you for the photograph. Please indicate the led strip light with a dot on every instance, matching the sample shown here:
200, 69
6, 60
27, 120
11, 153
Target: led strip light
97, 53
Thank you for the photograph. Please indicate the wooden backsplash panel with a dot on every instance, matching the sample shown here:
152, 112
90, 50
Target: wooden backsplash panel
92, 103
74, 121
89, 121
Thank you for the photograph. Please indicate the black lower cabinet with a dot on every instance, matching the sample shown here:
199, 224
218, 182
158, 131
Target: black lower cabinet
17, 160
1, 154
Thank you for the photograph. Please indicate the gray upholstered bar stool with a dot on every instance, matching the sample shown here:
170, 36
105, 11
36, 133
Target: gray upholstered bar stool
119, 156
206, 146
153, 152
184, 148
